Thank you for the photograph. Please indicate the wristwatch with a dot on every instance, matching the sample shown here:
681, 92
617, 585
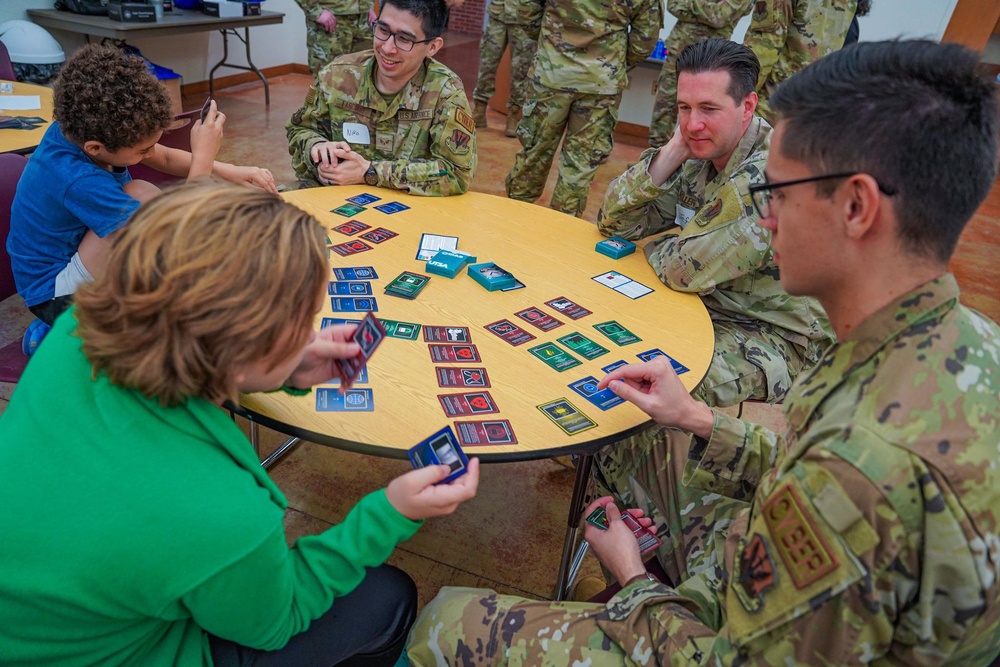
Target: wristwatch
640, 577
371, 177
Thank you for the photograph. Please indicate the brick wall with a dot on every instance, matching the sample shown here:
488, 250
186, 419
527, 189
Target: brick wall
468, 19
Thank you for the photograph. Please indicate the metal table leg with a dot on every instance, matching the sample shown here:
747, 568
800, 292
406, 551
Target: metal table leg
276, 455
583, 468
250, 67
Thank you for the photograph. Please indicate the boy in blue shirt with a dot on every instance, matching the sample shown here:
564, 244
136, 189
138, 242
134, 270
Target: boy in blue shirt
76, 190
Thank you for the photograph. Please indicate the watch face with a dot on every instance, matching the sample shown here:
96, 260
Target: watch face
371, 178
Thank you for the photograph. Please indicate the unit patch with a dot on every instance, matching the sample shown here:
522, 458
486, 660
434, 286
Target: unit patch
753, 573
803, 550
463, 118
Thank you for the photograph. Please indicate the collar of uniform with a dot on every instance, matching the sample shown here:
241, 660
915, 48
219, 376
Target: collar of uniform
874, 334
754, 140
407, 98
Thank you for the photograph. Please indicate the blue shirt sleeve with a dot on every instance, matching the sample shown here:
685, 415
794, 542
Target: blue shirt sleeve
99, 201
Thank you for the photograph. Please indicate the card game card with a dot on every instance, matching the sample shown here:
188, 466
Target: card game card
583, 346
647, 539
450, 354
510, 332
539, 319
446, 334
649, 355
361, 379
369, 335
350, 248
351, 227
407, 285
349, 288
571, 310
354, 399
618, 334
604, 399
462, 377
379, 235
404, 330
331, 321
353, 305
497, 432
348, 210
623, 284
612, 279
517, 285
477, 403
430, 244
363, 199
609, 367
566, 416
440, 448
599, 518
355, 273
392, 207
554, 356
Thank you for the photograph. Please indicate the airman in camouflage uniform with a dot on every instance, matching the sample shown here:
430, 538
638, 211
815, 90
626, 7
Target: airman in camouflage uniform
787, 35
870, 534
584, 51
351, 31
422, 141
514, 22
697, 20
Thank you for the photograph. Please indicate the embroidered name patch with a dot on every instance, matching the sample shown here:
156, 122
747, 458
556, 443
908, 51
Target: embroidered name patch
355, 107
753, 573
802, 548
423, 114
465, 120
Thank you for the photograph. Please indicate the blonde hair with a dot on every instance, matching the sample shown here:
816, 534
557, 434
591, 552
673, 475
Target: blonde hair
204, 278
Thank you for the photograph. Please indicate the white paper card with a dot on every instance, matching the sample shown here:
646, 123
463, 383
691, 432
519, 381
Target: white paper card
20, 102
356, 133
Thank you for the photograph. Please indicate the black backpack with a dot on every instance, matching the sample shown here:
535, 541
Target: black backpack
92, 7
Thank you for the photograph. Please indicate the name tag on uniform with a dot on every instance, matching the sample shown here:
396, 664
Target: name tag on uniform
356, 133
684, 215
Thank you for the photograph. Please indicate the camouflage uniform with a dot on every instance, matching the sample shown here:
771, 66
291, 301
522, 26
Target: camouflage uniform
351, 34
424, 138
868, 536
787, 35
579, 72
763, 336
514, 22
697, 20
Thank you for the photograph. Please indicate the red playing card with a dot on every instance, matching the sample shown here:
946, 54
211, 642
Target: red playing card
538, 318
462, 377
477, 403
510, 332
573, 311
453, 353
446, 334
497, 432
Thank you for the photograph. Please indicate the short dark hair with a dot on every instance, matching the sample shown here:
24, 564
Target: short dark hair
433, 14
915, 115
105, 95
722, 54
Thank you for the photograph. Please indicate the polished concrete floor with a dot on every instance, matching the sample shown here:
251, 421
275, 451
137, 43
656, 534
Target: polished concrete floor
509, 537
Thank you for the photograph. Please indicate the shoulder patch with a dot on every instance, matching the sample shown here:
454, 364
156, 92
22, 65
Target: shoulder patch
311, 95
463, 118
713, 211
753, 573
458, 142
803, 550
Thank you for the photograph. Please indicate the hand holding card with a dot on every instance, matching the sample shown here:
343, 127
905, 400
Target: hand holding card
615, 546
435, 488
319, 363
369, 335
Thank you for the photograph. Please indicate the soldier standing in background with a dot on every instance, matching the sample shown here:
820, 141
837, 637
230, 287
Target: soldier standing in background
787, 35
513, 22
697, 20
585, 49
335, 27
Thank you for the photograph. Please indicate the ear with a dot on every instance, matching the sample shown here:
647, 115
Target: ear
93, 148
749, 105
435, 45
861, 204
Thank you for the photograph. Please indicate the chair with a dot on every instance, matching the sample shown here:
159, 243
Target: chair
12, 360
6, 66
178, 136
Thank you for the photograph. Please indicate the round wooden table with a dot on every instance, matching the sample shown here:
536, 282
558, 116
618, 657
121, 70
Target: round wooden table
25, 141
553, 255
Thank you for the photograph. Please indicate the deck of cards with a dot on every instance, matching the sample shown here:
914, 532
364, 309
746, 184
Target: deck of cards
407, 285
440, 449
616, 247
647, 539
369, 335
491, 276
448, 263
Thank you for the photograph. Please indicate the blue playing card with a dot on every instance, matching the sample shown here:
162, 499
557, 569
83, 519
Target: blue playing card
604, 399
440, 448
353, 304
363, 199
649, 355
355, 273
392, 207
352, 400
350, 288
361, 379
617, 364
330, 321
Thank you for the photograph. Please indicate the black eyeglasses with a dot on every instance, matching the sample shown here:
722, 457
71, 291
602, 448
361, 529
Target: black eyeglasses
761, 194
402, 42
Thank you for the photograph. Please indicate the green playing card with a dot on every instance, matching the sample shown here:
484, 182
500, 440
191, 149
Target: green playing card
617, 333
554, 356
583, 346
405, 330
407, 284
348, 210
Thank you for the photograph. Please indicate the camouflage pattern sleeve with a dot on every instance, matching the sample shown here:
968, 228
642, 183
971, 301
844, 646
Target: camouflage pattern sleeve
734, 459
713, 13
634, 207
313, 8
767, 33
645, 28
719, 244
452, 147
307, 127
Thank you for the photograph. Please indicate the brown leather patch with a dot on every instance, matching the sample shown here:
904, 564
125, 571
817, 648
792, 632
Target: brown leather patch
803, 550
465, 120
422, 114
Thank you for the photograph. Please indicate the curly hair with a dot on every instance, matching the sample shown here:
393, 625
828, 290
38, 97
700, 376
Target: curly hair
105, 95
206, 278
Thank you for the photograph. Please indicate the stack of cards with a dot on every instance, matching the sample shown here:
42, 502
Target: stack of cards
440, 448
616, 247
369, 335
448, 263
491, 276
647, 539
407, 285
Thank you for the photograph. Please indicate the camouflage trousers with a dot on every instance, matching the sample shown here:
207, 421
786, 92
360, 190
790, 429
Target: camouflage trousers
751, 362
352, 34
465, 626
523, 40
588, 121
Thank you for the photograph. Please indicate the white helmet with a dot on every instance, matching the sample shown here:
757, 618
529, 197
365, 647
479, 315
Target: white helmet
30, 44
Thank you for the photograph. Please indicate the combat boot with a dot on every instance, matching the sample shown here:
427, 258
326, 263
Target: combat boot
513, 118
479, 113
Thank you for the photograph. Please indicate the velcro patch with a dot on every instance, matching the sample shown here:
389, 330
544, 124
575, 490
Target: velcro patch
311, 96
458, 141
355, 107
753, 573
803, 550
465, 119
422, 114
